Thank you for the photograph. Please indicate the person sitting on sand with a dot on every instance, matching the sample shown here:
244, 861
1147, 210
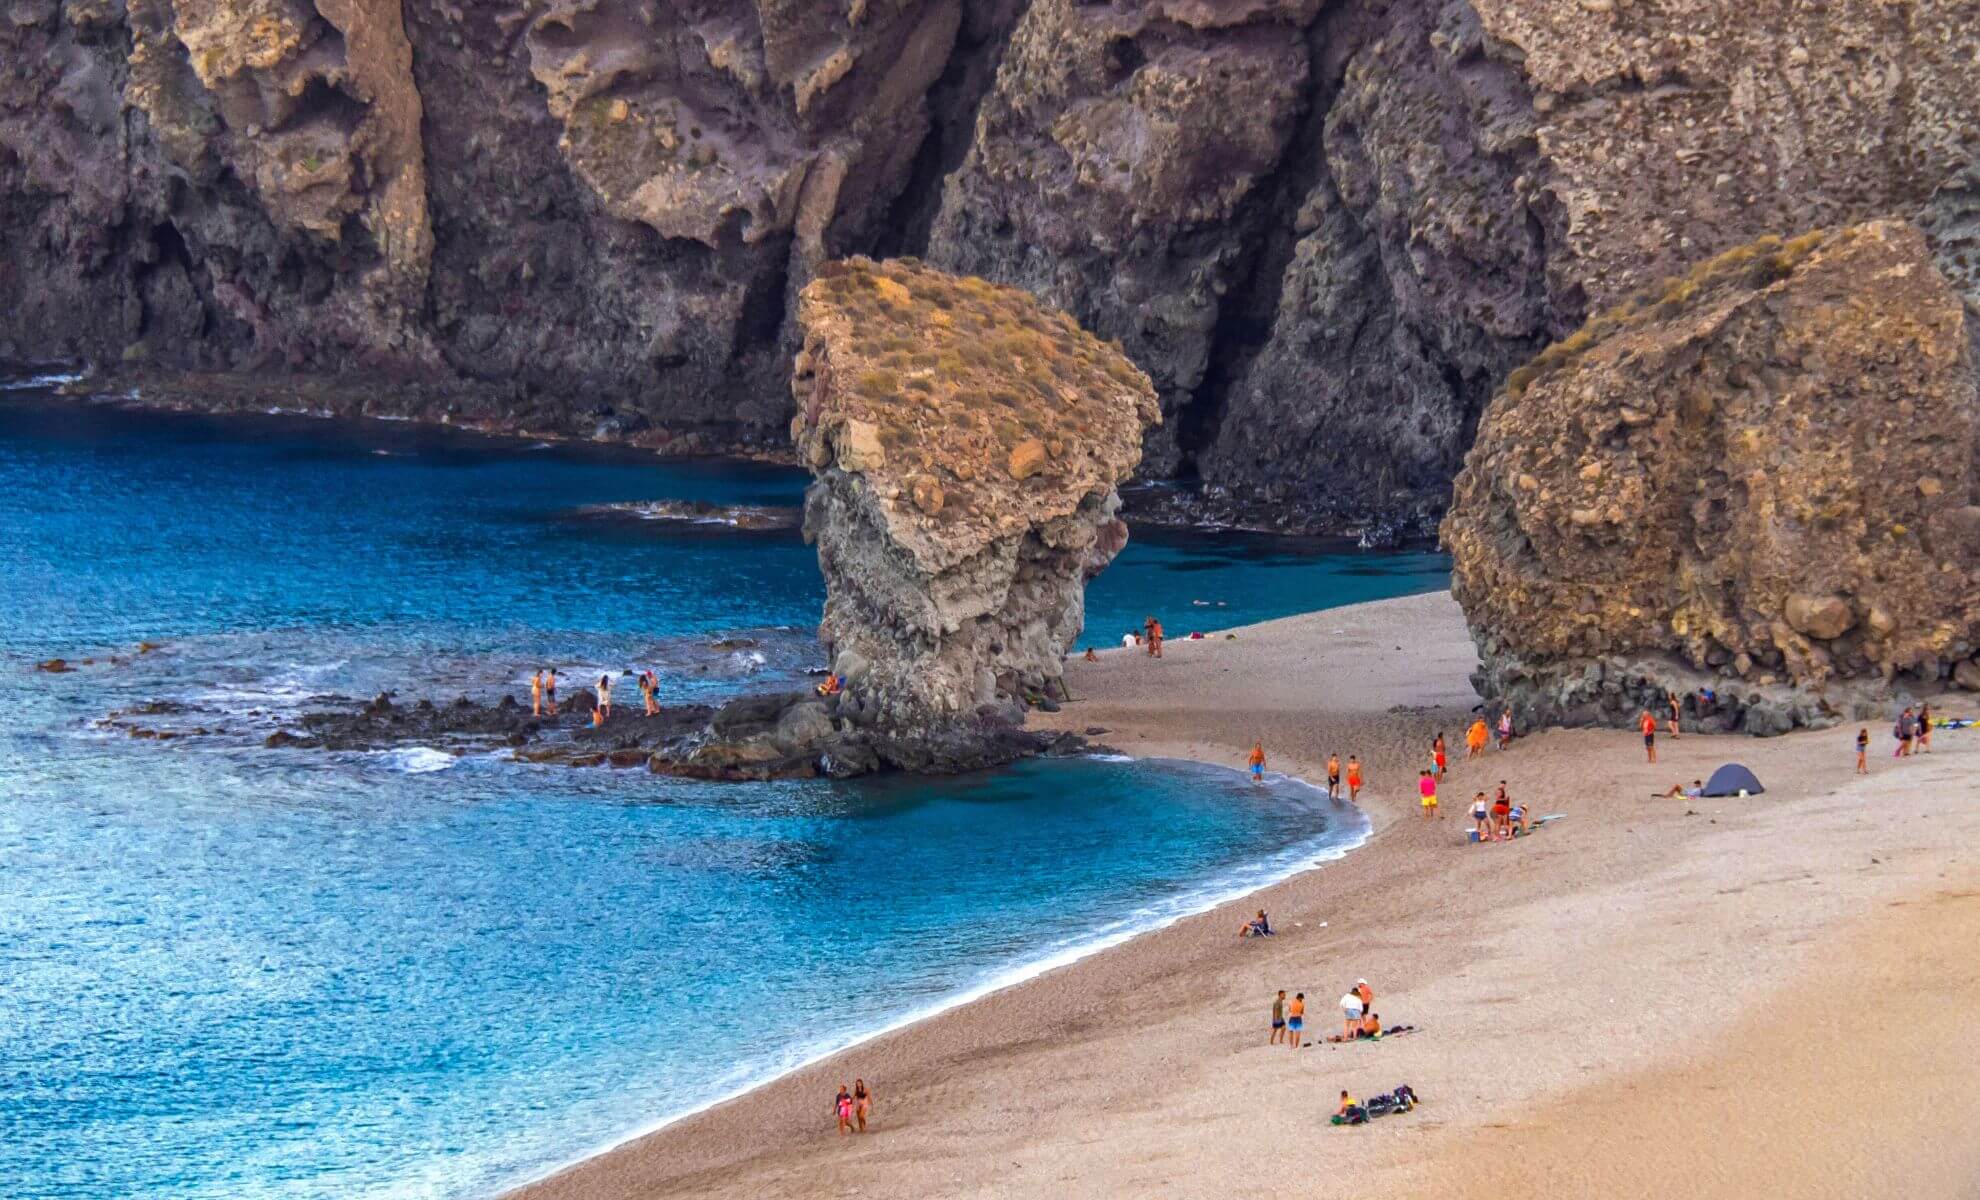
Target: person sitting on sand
1693, 792
1258, 926
1348, 1105
1481, 816
1091, 656
1516, 820
1475, 738
1354, 779
862, 1103
1371, 1025
843, 1106
1257, 762
831, 687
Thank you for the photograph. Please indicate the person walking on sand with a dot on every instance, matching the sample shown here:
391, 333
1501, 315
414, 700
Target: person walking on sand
1672, 699
1906, 729
843, 1106
604, 698
1295, 1019
1333, 776
1863, 751
1354, 779
1924, 729
1475, 738
862, 1103
1278, 1019
1154, 629
550, 691
1505, 728
536, 693
1426, 786
1437, 755
1257, 762
1648, 724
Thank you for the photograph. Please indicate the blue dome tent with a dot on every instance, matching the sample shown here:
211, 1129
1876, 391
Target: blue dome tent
1730, 780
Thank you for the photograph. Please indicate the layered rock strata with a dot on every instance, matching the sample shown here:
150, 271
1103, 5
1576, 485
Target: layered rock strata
967, 443
1761, 478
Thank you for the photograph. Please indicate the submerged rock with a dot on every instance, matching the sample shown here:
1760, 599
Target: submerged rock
1753, 479
967, 443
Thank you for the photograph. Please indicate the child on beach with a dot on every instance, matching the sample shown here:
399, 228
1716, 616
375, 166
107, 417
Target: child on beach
1437, 755
1354, 780
1257, 762
1278, 1019
1479, 811
1863, 751
1333, 777
844, 1107
1426, 786
1648, 724
1295, 1019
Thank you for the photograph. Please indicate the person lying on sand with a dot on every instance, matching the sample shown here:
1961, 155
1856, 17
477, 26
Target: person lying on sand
1679, 792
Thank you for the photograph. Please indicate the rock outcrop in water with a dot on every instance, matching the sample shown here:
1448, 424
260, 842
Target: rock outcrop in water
1326, 228
967, 443
1762, 478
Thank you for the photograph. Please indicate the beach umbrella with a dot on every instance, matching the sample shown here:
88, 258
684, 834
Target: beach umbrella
1732, 780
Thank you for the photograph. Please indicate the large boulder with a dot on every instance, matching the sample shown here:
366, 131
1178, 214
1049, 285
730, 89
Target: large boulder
1758, 478
967, 443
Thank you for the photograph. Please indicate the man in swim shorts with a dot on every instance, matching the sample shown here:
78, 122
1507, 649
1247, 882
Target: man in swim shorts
1354, 779
1257, 762
1295, 1019
550, 691
1648, 724
1333, 777
1279, 1018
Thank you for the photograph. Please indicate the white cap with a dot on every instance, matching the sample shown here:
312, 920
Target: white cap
1361, 983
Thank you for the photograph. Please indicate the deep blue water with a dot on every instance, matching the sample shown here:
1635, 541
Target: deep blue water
231, 972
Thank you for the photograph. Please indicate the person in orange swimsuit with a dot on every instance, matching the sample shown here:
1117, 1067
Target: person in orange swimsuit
1437, 756
1354, 779
1257, 762
1154, 629
1648, 724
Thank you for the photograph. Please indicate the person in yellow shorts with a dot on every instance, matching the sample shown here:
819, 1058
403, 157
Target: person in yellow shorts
1426, 785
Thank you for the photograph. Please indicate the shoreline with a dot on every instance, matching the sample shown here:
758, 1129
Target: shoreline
1013, 1093
1206, 899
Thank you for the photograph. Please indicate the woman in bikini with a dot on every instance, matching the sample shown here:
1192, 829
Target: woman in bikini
605, 697
1437, 755
862, 1103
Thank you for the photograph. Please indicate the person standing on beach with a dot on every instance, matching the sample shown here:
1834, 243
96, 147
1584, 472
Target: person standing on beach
1648, 724
1475, 738
550, 691
1676, 708
1154, 629
536, 693
1295, 1019
1426, 786
1351, 1010
1437, 755
843, 1105
862, 1103
1278, 1019
1505, 729
1354, 779
1924, 729
1257, 762
1333, 776
1906, 728
1863, 752
649, 691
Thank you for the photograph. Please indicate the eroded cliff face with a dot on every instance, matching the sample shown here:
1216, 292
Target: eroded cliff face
1759, 478
967, 443
1327, 229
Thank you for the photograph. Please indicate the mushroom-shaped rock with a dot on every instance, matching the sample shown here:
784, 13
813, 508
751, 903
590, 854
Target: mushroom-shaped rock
1749, 478
967, 442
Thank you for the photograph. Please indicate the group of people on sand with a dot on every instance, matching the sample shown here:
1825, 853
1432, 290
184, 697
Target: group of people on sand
543, 695
1335, 773
1358, 1018
853, 1105
1498, 819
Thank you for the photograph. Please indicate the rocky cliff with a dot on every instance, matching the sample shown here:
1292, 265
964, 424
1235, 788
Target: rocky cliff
967, 443
1762, 477
1327, 229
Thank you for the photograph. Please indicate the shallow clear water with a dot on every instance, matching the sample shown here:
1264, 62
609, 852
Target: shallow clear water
230, 972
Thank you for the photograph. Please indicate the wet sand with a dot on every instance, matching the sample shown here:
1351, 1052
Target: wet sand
1768, 996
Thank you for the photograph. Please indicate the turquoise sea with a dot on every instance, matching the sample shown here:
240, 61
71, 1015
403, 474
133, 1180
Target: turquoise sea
234, 972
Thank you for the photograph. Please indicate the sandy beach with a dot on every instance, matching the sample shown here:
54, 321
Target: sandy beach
1650, 996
